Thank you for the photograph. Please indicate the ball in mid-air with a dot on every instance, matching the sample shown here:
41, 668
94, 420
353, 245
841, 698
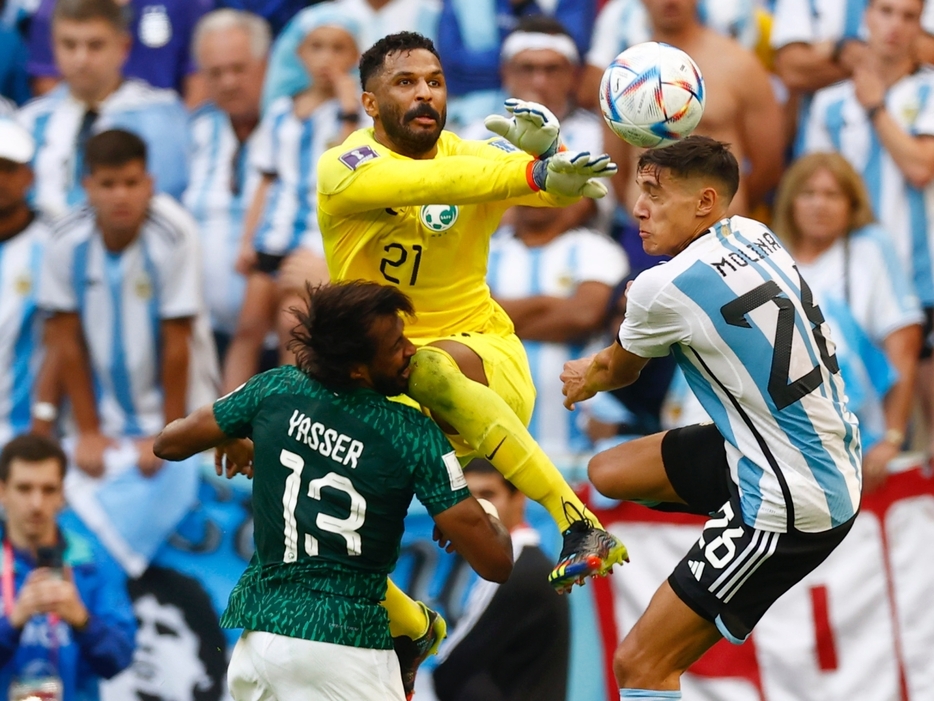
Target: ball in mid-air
652, 95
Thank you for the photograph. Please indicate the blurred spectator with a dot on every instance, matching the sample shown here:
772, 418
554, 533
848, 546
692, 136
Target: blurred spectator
128, 340
741, 107
824, 216
23, 237
231, 48
882, 121
555, 286
283, 219
161, 34
70, 622
276, 12
14, 81
471, 35
624, 23
820, 42
375, 18
541, 64
513, 639
91, 44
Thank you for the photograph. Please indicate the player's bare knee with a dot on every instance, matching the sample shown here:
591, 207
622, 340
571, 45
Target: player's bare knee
600, 471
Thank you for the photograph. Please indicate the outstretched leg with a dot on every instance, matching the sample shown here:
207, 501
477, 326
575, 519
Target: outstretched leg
492, 428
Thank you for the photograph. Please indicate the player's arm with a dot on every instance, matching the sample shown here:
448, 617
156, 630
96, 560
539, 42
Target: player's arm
193, 434
392, 182
479, 537
611, 368
560, 319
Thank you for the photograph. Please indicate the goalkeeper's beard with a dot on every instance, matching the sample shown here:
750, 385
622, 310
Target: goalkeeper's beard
414, 142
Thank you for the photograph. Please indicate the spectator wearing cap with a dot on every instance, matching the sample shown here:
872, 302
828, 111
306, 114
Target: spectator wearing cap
23, 237
160, 51
91, 44
230, 47
472, 32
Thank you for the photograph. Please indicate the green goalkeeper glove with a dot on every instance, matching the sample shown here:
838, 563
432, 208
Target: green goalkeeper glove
573, 173
532, 128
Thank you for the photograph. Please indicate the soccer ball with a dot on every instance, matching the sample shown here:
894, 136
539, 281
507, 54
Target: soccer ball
652, 95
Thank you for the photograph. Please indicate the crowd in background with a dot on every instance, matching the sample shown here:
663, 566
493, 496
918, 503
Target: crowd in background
157, 205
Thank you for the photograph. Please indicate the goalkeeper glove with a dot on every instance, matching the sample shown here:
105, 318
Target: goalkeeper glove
532, 128
573, 174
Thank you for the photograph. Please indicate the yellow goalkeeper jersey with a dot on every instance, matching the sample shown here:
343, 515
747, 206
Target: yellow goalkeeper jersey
424, 225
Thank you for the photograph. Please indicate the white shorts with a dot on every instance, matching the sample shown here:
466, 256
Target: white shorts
269, 667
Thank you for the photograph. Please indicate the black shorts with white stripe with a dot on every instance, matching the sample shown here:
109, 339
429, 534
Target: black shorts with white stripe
734, 572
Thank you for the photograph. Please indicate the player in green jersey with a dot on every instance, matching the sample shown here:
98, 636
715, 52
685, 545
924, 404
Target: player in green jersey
335, 466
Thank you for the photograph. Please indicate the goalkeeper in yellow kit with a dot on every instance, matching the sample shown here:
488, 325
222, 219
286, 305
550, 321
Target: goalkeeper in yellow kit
408, 204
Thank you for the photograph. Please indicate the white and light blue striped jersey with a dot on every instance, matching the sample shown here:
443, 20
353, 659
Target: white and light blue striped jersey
838, 122
220, 188
865, 295
624, 23
122, 298
556, 269
55, 120
754, 347
289, 148
811, 21
20, 326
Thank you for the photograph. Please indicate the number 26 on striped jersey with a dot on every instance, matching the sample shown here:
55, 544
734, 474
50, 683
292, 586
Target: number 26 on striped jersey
345, 527
781, 389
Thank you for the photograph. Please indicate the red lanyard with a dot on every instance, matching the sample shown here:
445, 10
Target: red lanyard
9, 594
9, 597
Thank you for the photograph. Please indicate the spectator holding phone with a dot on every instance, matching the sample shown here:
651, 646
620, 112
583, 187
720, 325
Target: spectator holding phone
67, 619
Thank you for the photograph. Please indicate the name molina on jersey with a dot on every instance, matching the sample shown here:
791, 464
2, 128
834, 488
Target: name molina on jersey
338, 446
755, 251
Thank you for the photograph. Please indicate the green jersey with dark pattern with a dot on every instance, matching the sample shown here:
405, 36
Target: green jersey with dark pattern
334, 473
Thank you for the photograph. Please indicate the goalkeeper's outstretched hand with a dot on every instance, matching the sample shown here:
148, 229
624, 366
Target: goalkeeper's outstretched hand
573, 173
532, 127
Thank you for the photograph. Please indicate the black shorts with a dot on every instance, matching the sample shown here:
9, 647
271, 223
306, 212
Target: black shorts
734, 572
927, 339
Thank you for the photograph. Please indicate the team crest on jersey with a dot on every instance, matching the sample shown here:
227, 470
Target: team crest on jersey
910, 112
22, 285
356, 158
155, 27
143, 287
438, 217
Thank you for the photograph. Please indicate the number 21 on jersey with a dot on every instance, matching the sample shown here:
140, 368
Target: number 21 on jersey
345, 527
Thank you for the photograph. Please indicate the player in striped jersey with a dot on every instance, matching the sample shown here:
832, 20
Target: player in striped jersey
91, 44
23, 236
779, 469
283, 217
128, 337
